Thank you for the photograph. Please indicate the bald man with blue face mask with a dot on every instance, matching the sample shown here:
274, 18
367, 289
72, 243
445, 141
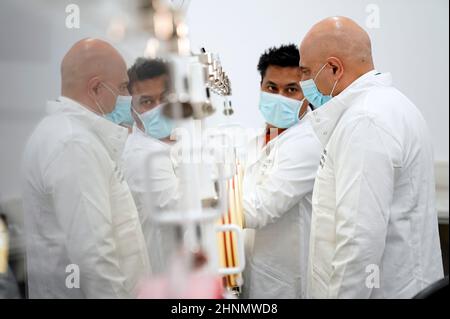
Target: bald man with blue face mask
277, 187
374, 231
83, 235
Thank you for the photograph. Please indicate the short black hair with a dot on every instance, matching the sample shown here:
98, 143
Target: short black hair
145, 69
286, 55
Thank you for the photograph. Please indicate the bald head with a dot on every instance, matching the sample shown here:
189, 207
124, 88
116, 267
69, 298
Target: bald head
340, 37
337, 40
88, 63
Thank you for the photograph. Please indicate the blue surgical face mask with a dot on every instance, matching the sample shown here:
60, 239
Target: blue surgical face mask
278, 110
122, 110
155, 123
312, 93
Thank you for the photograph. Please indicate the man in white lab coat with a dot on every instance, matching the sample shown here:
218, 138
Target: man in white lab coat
148, 165
84, 238
374, 231
277, 188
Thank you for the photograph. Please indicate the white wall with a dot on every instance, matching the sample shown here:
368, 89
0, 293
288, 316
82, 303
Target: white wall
411, 43
34, 39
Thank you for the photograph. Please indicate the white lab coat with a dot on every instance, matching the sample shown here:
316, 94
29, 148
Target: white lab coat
277, 192
80, 218
150, 172
374, 198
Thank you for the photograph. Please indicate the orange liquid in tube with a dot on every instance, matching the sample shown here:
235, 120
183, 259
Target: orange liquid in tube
227, 240
4, 243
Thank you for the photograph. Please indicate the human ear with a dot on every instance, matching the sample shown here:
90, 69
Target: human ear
93, 87
337, 67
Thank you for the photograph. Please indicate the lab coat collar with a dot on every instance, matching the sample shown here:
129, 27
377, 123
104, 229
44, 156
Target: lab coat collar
136, 131
267, 148
145, 138
112, 136
325, 118
289, 131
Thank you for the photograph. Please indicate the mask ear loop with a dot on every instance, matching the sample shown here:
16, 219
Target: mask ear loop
323, 66
335, 83
301, 116
98, 104
110, 90
139, 117
334, 86
99, 107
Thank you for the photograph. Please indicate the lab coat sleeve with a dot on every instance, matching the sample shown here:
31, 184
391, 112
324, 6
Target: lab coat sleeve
152, 181
80, 180
290, 179
364, 176
163, 184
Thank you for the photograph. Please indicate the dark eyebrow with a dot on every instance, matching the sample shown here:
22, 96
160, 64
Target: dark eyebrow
145, 97
293, 84
271, 83
303, 68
